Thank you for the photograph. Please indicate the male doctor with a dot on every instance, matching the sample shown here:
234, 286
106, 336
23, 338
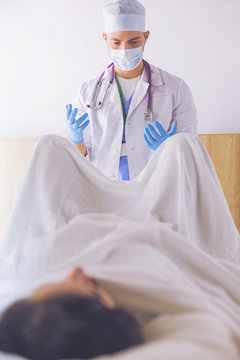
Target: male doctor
138, 105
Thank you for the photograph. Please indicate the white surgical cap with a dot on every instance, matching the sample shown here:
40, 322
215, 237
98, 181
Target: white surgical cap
124, 15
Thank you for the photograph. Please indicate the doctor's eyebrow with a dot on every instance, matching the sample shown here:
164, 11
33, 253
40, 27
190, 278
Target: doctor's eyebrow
133, 39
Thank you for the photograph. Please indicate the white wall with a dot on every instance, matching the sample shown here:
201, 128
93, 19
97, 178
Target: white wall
48, 47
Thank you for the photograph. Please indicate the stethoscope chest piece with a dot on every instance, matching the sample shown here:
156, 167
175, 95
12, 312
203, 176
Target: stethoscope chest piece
148, 115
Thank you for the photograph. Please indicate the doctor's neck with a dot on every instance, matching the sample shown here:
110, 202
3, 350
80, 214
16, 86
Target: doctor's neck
131, 73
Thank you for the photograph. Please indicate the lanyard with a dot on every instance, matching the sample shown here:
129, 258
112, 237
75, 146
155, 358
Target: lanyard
122, 101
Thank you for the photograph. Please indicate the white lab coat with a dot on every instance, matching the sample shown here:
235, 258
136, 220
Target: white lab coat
171, 100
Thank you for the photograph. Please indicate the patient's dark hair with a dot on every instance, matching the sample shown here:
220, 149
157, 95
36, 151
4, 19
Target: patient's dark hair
66, 326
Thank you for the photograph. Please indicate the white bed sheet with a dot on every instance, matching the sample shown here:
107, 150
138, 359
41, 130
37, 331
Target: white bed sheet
164, 245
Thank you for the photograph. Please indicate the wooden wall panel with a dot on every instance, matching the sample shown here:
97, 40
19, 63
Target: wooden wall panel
13, 156
224, 150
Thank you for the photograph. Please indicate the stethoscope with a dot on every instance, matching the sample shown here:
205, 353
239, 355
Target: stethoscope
94, 106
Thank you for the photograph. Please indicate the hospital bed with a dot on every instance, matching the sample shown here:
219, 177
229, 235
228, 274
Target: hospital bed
224, 150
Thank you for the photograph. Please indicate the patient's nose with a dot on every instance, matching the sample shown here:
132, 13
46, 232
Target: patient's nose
78, 275
75, 273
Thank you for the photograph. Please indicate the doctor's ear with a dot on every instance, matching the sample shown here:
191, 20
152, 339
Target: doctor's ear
104, 36
146, 35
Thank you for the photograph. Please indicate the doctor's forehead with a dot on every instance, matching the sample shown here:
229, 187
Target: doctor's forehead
125, 35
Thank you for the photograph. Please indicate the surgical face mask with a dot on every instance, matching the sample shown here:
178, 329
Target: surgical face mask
127, 59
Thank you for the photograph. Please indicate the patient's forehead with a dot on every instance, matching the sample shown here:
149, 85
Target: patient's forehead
57, 289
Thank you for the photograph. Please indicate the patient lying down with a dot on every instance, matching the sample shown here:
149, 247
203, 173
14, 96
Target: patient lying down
162, 245
74, 318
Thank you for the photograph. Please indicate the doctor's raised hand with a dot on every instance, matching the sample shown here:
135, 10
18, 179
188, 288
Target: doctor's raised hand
154, 138
76, 127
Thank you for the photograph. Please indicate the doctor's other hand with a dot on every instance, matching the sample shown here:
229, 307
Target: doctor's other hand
76, 127
153, 138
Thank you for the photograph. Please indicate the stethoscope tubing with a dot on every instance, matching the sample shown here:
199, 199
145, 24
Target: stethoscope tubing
99, 82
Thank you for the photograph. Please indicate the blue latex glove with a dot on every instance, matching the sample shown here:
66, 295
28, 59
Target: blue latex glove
76, 127
153, 139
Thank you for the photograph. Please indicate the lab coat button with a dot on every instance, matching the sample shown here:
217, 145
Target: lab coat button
114, 176
132, 149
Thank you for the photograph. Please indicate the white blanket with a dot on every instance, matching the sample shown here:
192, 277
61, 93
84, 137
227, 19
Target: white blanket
164, 245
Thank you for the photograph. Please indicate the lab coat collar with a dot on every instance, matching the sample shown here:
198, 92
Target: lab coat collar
155, 73
140, 91
142, 87
138, 96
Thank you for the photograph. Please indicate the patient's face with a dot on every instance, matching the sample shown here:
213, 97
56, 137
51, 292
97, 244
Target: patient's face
77, 282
